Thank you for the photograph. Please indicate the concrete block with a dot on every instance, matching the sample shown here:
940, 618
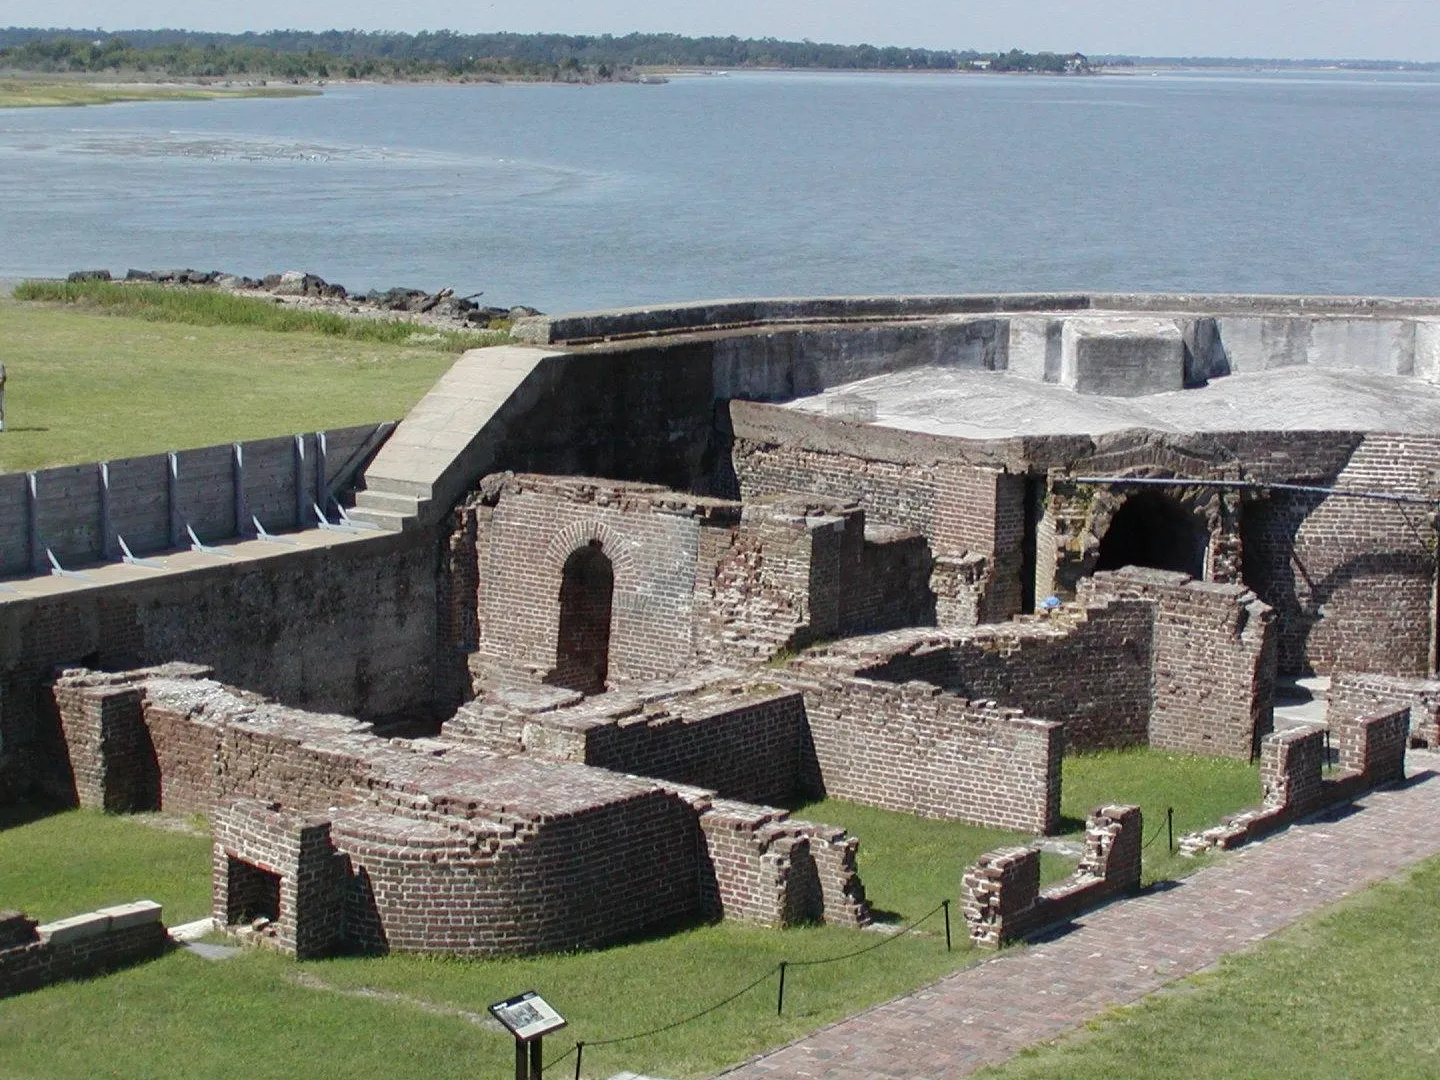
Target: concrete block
1122, 357
1427, 350
1259, 343
124, 916
1034, 350
1375, 346
76, 928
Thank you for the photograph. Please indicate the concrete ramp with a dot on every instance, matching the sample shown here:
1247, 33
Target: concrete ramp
448, 440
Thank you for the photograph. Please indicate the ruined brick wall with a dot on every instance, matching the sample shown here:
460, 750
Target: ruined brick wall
1352, 581
651, 538
1213, 660
349, 627
33, 956
1088, 667
1001, 898
891, 587
959, 507
761, 867
1353, 695
312, 878
1291, 765
573, 882
745, 749
914, 748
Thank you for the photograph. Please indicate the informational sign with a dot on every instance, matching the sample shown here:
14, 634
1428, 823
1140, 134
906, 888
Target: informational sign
527, 1016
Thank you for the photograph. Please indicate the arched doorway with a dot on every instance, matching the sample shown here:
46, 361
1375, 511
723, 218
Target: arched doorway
1151, 529
582, 647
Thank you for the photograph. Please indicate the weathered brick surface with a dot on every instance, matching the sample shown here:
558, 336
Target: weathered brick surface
1001, 898
1371, 753
915, 748
1044, 666
326, 835
1213, 661
1351, 695
33, 956
1352, 580
348, 627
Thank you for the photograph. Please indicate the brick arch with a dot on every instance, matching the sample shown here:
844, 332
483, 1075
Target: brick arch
578, 534
1082, 514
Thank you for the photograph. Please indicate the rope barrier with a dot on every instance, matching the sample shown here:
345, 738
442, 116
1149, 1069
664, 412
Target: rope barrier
688, 1019
868, 948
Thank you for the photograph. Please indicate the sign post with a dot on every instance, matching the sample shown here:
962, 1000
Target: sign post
528, 1017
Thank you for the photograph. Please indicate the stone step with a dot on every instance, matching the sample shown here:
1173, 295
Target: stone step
391, 501
389, 520
395, 485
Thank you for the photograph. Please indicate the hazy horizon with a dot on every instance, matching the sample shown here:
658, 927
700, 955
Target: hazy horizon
1400, 30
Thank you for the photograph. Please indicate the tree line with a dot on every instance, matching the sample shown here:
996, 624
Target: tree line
366, 54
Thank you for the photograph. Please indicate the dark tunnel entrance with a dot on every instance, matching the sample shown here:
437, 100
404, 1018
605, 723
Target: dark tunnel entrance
1154, 530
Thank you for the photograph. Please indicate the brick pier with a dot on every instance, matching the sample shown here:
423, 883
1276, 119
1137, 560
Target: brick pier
1118, 954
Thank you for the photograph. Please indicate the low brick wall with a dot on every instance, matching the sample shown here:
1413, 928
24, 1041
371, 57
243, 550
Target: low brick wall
762, 867
1213, 654
32, 956
920, 750
1001, 897
1353, 694
1371, 752
1086, 666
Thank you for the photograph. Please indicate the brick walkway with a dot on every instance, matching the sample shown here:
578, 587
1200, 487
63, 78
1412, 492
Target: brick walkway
1122, 952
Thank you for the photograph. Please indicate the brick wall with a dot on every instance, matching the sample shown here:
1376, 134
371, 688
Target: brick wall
1001, 898
761, 867
741, 745
33, 956
1213, 658
1353, 695
1352, 581
1086, 666
919, 750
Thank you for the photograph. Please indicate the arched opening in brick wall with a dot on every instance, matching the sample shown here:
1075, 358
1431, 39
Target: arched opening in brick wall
1154, 530
582, 648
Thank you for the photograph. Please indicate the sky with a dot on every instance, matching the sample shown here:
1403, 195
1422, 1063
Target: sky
1372, 29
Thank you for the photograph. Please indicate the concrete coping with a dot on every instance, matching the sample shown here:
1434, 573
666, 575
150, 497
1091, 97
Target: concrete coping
95, 923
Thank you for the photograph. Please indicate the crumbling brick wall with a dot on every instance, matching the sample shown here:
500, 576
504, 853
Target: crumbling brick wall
1213, 660
1347, 576
1088, 666
1001, 898
920, 750
761, 867
33, 956
1353, 695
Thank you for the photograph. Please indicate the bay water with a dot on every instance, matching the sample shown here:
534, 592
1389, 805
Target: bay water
753, 184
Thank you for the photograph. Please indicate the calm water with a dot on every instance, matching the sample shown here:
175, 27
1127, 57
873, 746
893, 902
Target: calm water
753, 184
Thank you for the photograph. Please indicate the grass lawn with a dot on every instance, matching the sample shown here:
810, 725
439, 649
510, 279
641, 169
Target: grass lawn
29, 93
1345, 995
76, 861
1201, 789
259, 1015
86, 386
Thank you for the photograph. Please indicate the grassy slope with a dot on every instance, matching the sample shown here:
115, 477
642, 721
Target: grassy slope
1347, 995
30, 93
84, 386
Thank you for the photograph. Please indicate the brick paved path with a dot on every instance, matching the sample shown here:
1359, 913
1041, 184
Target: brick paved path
1122, 952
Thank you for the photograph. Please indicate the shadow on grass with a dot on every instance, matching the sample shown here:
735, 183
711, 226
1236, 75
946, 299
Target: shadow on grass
17, 814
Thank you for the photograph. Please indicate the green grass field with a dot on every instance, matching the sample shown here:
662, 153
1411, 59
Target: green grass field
259, 1015
87, 386
1346, 995
34, 93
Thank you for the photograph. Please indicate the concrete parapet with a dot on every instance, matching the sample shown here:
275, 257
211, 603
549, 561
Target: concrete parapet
1122, 357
